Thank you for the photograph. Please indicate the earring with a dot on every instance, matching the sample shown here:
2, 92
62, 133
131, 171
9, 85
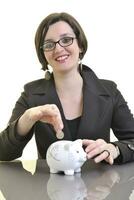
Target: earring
47, 74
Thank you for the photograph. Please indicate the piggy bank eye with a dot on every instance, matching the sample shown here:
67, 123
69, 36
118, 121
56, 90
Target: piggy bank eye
77, 151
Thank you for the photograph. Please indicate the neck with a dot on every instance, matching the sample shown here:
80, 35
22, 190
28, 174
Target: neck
68, 82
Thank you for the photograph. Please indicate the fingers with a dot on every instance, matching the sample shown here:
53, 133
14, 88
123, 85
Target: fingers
86, 142
47, 113
99, 150
94, 147
104, 156
51, 114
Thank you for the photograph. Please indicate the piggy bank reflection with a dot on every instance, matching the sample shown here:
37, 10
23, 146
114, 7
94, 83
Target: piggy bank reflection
66, 156
61, 187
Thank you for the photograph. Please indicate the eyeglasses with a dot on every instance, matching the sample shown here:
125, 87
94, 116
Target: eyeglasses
63, 42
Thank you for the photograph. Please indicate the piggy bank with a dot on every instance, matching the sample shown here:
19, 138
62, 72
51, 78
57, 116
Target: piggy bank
66, 156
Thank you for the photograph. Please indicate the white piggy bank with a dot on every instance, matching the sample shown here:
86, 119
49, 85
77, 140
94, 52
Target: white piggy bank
66, 156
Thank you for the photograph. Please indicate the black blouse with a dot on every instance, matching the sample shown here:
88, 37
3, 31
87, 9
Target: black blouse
73, 125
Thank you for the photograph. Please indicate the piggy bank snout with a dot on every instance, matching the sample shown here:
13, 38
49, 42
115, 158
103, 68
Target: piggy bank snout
83, 157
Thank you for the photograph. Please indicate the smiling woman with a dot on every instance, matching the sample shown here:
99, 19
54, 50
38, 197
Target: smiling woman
65, 53
73, 101
72, 27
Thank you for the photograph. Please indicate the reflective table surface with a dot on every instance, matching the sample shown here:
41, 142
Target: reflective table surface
30, 180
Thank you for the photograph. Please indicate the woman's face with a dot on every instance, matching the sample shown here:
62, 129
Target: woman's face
62, 59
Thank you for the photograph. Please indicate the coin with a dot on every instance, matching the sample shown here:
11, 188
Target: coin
60, 135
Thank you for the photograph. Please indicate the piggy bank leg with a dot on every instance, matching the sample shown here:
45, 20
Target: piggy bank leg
78, 170
53, 171
69, 172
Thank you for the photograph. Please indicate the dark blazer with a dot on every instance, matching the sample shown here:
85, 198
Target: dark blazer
104, 108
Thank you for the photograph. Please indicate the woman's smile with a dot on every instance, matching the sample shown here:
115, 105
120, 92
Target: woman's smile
62, 58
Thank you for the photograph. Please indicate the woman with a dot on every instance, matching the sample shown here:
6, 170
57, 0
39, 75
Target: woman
71, 100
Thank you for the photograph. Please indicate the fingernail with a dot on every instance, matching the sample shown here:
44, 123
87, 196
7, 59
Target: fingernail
89, 156
86, 150
61, 126
96, 160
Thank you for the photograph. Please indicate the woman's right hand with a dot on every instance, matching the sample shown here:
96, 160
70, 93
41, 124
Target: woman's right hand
48, 113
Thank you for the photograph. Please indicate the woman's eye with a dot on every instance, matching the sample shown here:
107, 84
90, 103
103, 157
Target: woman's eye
49, 45
66, 40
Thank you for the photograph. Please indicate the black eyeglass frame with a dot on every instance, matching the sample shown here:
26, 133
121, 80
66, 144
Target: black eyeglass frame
58, 42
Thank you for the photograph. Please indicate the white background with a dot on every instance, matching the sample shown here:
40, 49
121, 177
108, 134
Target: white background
108, 25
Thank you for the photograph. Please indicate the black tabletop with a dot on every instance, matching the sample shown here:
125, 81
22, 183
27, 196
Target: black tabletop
30, 180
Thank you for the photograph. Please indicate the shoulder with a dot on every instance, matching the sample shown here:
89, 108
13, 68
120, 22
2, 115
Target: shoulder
35, 85
108, 85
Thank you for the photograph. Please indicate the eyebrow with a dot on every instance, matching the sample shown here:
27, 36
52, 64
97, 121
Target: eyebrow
61, 36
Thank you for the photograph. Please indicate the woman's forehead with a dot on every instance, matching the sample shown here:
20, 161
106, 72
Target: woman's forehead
59, 29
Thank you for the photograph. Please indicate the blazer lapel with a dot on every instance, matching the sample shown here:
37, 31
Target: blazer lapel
95, 102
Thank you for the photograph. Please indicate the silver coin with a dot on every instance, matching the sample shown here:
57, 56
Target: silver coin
60, 135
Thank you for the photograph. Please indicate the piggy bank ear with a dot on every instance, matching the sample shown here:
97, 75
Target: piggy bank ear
55, 153
67, 147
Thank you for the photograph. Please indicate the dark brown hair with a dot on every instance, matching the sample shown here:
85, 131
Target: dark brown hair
44, 26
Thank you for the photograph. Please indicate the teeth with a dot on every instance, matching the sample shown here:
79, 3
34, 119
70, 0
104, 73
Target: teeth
62, 58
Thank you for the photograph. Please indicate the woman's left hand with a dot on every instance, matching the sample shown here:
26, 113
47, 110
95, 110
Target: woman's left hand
100, 150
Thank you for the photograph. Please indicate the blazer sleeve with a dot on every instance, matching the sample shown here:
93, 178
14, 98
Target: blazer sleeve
11, 144
123, 127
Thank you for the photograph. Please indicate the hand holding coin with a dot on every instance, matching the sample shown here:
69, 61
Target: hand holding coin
58, 121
